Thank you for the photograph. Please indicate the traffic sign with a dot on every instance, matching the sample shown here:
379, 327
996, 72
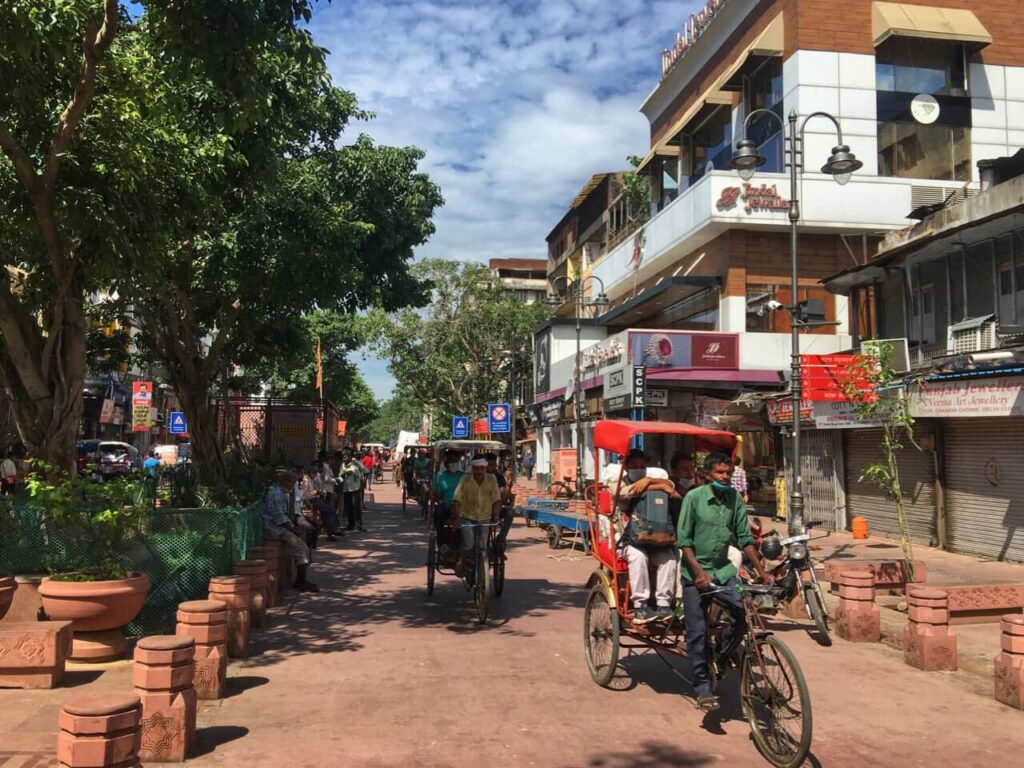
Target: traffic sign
460, 426
178, 425
499, 417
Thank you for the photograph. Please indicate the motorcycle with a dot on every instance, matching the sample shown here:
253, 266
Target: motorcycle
796, 577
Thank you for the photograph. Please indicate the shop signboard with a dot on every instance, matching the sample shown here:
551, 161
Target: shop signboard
551, 411
639, 385
542, 361
780, 411
617, 404
107, 411
677, 349
142, 404
657, 398
840, 416
968, 398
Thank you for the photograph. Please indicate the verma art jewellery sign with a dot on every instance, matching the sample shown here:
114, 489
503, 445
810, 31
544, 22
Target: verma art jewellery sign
763, 197
968, 398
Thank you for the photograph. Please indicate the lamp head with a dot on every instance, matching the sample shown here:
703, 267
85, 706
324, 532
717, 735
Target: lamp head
553, 301
841, 164
746, 159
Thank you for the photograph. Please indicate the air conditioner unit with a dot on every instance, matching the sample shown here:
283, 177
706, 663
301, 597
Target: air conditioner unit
974, 335
898, 352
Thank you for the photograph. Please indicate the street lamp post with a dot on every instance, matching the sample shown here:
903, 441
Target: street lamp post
576, 290
840, 165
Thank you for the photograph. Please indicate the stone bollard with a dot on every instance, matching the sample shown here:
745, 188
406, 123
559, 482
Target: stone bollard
1009, 665
99, 730
206, 622
927, 642
256, 570
268, 554
162, 676
284, 564
857, 617
235, 592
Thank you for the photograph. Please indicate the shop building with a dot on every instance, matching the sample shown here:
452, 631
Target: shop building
950, 291
922, 91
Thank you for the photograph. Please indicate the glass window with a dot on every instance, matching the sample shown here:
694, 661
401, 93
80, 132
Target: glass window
710, 144
669, 167
697, 312
917, 151
931, 304
980, 280
763, 90
914, 65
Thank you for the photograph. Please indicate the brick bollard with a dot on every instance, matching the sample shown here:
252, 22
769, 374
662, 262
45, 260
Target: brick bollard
99, 730
1009, 665
268, 555
256, 570
857, 617
206, 622
284, 564
927, 642
162, 676
235, 592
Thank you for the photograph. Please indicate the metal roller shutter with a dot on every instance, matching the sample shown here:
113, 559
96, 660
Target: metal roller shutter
984, 517
917, 479
818, 472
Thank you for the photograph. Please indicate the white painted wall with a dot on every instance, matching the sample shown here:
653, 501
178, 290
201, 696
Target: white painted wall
997, 111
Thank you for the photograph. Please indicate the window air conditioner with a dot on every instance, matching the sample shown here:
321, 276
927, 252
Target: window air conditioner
974, 335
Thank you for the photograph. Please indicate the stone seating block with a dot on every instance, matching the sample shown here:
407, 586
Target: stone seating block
205, 621
163, 676
888, 575
99, 731
927, 642
235, 591
1008, 668
33, 653
857, 618
979, 604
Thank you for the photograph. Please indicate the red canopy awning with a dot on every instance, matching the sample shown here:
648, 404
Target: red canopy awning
617, 436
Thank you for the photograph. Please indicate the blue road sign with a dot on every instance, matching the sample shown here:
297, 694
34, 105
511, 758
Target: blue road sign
178, 424
499, 417
460, 426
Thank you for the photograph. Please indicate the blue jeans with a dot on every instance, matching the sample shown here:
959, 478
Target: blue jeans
696, 622
327, 513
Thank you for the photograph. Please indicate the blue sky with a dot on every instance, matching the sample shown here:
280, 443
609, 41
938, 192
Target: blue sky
516, 103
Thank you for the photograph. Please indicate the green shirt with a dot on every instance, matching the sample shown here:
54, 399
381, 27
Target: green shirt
445, 484
708, 524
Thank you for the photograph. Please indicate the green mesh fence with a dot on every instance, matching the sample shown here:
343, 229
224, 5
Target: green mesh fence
179, 549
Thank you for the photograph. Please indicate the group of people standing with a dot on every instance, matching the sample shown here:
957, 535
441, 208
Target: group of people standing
303, 503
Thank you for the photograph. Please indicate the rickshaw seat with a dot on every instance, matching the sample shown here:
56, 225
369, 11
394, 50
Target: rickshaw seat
604, 503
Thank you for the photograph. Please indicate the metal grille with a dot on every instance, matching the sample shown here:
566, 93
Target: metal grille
276, 431
818, 472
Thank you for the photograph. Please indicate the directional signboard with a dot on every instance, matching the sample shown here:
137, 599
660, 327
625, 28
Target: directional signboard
178, 424
499, 417
460, 426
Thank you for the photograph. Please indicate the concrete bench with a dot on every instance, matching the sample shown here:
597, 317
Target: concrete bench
984, 604
32, 653
889, 575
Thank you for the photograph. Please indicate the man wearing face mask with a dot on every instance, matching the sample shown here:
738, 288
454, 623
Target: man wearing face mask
713, 517
445, 483
653, 543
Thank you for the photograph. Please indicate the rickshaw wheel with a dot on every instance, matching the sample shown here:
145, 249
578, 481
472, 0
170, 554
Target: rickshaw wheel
431, 561
554, 533
776, 702
405, 495
498, 576
601, 636
481, 589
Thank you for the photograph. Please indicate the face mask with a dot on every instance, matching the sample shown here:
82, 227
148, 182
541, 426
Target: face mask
685, 482
718, 485
636, 474
453, 466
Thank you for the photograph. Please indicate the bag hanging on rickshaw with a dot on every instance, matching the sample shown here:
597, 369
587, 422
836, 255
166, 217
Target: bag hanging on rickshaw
650, 521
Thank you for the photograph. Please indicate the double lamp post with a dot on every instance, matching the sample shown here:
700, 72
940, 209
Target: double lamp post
840, 165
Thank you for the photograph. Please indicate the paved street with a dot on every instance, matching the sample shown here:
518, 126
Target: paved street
371, 672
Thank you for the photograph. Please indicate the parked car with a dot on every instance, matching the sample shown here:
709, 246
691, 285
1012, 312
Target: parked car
117, 460
87, 456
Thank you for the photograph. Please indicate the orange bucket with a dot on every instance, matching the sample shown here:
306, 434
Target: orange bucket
859, 527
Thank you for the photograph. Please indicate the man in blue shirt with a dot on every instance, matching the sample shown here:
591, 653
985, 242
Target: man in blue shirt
444, 485
277, 513
151, 464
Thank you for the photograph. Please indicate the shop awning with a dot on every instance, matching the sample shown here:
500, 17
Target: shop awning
953, 24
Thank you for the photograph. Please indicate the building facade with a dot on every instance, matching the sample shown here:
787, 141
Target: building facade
921, 91
526, 279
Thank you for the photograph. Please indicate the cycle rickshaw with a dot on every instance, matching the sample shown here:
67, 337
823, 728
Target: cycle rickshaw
773, 694
412, 487
487, 567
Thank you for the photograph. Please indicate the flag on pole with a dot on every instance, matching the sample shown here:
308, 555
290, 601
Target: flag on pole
319, 369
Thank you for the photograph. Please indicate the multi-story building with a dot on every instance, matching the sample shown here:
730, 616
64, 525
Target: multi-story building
921, 90
948, 295
525, 278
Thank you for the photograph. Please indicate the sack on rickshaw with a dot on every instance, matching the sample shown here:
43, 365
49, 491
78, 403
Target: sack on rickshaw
650, 521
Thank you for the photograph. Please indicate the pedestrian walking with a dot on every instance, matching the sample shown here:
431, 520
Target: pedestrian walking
351, 478
9, 473
528, 464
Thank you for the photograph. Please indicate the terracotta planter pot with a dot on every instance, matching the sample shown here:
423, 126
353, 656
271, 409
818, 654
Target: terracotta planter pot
94, 606
7, 587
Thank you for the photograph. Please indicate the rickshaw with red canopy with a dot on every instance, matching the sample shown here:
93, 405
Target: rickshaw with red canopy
773, 693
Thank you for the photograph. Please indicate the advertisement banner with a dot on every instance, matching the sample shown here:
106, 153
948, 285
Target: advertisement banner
780, 411
716, 350
840, 416
681, 349
542, 362
107, 411
142, 404
968, 398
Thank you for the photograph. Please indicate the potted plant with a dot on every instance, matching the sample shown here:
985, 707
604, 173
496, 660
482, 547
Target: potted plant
90, 528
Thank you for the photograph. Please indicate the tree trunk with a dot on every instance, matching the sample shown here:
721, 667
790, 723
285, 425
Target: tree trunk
207, 451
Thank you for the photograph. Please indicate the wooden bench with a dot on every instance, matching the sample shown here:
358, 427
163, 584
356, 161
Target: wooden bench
984, 604
32, 653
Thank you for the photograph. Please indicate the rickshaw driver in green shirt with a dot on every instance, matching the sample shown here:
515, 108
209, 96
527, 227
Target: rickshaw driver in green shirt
713, 516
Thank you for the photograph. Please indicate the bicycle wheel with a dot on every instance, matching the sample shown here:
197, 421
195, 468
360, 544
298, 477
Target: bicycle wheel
405, 495
481, 587
431, 561
816, 608
554, 534
560, 490
600, 636
498, 575
775, 701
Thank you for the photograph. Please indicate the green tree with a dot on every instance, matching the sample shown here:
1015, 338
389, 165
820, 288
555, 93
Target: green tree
454, 357
399, 413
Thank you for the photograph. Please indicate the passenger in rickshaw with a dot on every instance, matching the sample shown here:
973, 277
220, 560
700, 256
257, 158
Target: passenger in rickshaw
476, 500
713, 517
445, 483
421, 466
649, 538
506, 503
